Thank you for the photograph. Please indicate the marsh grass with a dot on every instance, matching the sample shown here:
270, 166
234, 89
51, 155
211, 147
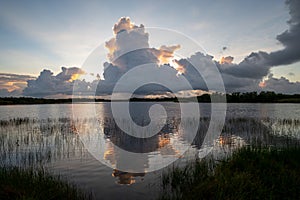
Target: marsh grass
26, 146
250, 173
30, 142
270, 169
32, 183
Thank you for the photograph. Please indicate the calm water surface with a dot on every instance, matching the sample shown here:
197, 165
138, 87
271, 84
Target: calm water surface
49, 135
258, 110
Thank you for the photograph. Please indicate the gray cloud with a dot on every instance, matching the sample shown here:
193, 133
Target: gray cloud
258, 64
254, 66
232, 82
47, 84
13, 84
289, 38
7, 93
281, 85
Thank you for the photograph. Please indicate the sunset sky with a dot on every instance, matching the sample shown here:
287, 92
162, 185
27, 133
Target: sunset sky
38, 35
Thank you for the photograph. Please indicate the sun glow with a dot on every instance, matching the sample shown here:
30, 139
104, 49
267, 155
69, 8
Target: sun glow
180, 68
226, 60
166, 53
74, 77
262, 84
11, 86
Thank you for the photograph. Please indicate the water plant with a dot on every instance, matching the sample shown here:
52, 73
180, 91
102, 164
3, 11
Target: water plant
33, 183
250, 173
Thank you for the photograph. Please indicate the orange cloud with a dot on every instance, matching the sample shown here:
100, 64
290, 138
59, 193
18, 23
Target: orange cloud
165, 53
13, 82
124, 23
180, 68
262, 84
226, 60
14, 85
74, 77
112, 47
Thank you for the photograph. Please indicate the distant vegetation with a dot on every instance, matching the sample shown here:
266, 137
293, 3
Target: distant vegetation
30, 100
263, 97
253, 97
250, 173
237, 97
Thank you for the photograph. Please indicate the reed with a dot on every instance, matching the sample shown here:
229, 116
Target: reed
32, 183
252, 172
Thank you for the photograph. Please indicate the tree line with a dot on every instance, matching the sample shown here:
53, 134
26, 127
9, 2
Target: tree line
236, 97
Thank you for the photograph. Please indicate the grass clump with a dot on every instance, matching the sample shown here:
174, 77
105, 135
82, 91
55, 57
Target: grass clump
30, 183
250, 173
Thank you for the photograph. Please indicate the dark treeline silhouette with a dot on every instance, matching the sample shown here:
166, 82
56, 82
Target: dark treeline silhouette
237, 97
262, 97
30, 100
254, 97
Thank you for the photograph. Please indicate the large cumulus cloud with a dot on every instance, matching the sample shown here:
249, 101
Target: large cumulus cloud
129, 48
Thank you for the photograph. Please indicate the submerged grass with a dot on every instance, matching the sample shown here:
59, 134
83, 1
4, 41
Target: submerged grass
250, 173
30, 183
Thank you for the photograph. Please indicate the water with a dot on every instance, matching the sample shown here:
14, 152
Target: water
51, 135
257, 110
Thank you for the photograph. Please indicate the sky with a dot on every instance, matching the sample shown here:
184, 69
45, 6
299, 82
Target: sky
38, 35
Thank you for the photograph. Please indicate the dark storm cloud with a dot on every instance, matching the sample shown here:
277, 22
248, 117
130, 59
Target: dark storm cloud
289, 38
258, 64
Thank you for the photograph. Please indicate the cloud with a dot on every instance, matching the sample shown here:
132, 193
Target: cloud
254, 66
124, 24
47, 84
129, 48
291, 74
13, 84
165, 53
226, 60
128, 37
258, 64
7, 93
250, 71
203, 62
289, 38
206, 64
69, 74
280, 85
